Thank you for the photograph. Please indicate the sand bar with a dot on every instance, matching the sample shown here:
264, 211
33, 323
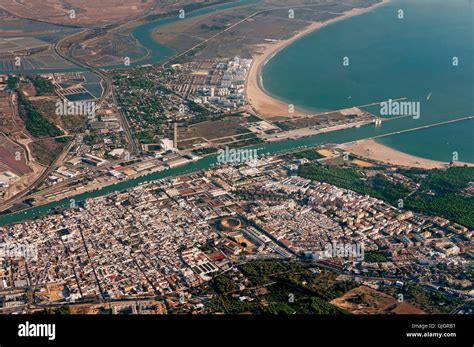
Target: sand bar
371, 149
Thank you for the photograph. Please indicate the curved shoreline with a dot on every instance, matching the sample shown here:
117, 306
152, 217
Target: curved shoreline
270, 107
371, 149
265, 104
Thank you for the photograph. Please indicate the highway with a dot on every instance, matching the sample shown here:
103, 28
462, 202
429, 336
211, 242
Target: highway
107, 85
107, 88
107, 92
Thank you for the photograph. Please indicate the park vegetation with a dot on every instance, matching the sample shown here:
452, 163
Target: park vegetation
440, 192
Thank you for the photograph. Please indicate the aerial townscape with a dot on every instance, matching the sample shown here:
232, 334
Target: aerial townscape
236, 157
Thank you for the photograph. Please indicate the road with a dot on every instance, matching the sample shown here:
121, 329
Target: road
106, 94
232, 26
108, 91
107, 85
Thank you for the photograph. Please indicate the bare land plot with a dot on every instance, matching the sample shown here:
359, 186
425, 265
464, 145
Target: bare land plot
365, 300
13, 156
212, 131
87, 11
46, 150
111, 49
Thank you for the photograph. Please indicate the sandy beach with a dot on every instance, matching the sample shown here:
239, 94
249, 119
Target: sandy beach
264, 104
371, 149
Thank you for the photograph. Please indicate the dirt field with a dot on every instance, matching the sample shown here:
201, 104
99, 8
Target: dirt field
90, 12
13, 156
226, 127
45, 150
9, 123
236, 41
365, 300
110, 50
87, 11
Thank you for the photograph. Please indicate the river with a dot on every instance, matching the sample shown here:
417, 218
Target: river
441, 141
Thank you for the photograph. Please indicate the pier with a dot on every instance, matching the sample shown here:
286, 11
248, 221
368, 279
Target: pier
421, 127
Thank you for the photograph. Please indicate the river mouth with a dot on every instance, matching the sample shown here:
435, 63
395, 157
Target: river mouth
442, 103
426, 58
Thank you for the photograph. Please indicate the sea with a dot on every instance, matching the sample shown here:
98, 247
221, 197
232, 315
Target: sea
389, 58
420, 51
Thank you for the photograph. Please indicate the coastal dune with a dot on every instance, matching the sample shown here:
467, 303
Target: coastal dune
264, 104
371, 149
